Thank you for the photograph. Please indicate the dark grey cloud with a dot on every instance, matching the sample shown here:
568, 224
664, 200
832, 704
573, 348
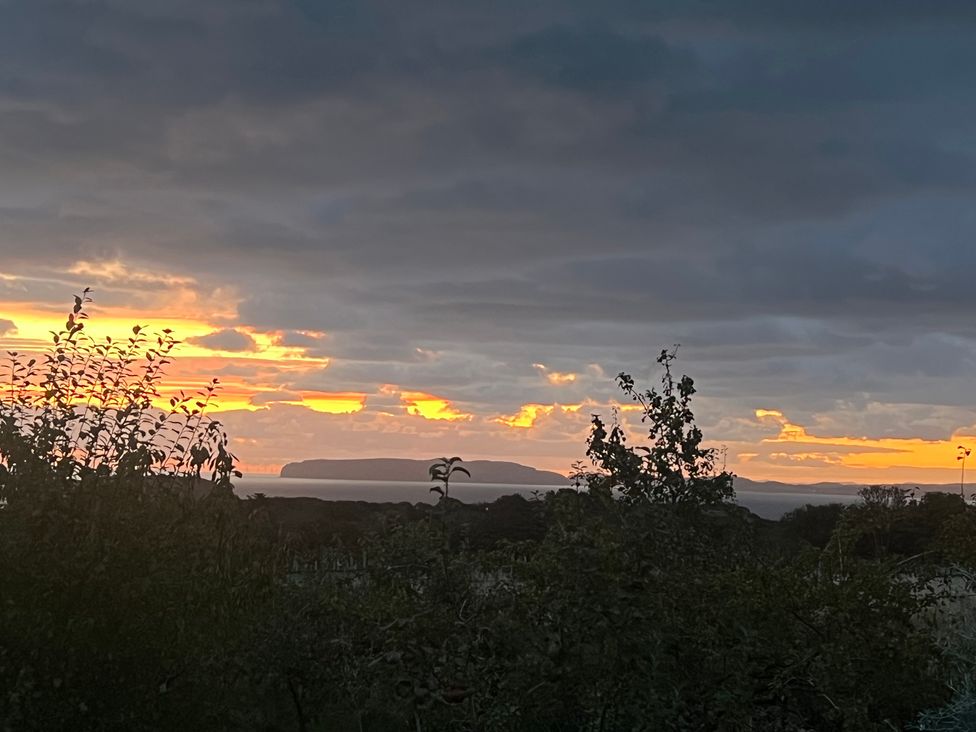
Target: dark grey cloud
783, 187
228, 339
7, 327
594, 58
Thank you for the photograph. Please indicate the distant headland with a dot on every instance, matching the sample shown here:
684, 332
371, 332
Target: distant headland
482, 471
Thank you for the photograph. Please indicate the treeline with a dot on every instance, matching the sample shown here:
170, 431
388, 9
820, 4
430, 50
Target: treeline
136, 592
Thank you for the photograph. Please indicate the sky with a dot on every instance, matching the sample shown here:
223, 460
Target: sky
443, 227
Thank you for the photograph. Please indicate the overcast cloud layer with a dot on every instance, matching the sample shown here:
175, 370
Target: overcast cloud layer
455, 191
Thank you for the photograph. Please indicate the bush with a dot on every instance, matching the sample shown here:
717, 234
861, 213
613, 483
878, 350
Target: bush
127, 579
814, 524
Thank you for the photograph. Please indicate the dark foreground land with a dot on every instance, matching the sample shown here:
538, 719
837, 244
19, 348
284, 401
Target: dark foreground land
152, 609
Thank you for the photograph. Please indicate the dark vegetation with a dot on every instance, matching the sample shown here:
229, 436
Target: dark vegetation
136, 592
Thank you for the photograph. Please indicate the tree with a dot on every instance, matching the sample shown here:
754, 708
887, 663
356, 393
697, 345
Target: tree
674, 467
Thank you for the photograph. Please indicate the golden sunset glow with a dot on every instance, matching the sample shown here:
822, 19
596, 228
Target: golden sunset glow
794, 444
244, 374
331, 403
428, 406
529, 414
261, 371
526, 416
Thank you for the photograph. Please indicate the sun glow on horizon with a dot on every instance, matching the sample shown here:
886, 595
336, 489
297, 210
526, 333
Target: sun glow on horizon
794, 444
268, 373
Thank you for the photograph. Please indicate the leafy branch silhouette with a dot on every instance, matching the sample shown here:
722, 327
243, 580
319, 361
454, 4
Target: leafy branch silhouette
86, 410
441, 472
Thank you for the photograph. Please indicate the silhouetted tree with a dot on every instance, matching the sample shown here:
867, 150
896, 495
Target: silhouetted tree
673, 467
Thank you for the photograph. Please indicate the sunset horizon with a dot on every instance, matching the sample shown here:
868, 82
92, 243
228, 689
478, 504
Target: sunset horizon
258, 402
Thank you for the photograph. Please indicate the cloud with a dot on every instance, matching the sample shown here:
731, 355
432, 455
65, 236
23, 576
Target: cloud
428, 406
453, 196
317, 401
7, 327
228, 339
594, 57
556, 378
302, 339
529, 415
118, 272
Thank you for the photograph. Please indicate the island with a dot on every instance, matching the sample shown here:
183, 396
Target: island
400, 469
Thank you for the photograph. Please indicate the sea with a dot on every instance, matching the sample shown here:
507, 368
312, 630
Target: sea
767, 504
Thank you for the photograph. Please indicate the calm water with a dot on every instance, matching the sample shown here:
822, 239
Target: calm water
767, 505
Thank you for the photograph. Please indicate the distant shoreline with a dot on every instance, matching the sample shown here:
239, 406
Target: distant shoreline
771, 504
417, 471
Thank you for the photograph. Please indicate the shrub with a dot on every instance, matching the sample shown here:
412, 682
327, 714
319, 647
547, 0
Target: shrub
674, 467
126, 578
814, 524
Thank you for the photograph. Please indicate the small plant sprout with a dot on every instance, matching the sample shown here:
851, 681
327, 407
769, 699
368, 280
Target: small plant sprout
441, 472
577, 475
963, 453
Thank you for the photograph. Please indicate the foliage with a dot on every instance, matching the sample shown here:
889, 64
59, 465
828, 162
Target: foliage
890, 521
85, 412
623, 617
814, 524
121, 569
673, 467
441, 472
959, 641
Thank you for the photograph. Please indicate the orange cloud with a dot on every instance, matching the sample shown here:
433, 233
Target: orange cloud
529, 414
526, 417
428, 406
788, 430
331, 402
556, 378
